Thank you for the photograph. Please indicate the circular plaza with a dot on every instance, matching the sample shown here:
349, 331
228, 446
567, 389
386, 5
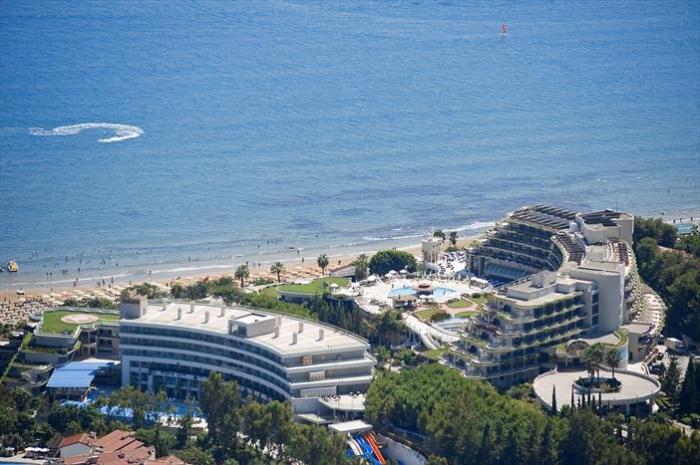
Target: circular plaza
628, 391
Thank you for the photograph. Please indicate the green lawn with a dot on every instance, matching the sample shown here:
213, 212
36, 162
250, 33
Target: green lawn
53, 324
461, 303
482, 299
314, 287
426, 314
467, 314
435, 354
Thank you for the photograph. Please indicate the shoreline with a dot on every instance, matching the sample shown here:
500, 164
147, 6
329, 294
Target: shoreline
188, 274
301, 259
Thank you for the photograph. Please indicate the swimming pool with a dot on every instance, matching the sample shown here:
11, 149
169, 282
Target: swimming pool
442, 291
437, 292
401, 291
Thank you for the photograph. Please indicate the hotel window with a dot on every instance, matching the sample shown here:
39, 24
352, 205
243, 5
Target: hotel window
306, 360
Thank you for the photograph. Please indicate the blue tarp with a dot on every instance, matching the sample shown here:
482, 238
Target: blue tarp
76, 374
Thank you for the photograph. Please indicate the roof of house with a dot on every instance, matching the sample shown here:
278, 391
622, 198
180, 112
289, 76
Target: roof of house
168, 460
116, 448
118, 440
80, 438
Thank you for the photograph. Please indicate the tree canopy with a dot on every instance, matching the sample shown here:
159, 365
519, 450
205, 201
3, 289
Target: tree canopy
468, 422
675, 276
386, 260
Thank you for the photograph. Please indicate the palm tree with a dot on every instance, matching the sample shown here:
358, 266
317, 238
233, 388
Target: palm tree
593, 357
612, 359
242, 273
361, 266
278, 268
453, 238
439, 233
322, 262
590, 363
598, 355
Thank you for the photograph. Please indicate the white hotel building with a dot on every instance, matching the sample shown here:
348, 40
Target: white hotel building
174, 346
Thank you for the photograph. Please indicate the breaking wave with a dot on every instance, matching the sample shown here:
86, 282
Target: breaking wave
121, 131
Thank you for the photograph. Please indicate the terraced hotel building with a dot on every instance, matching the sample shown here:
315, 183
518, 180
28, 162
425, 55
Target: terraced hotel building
567, 280
176, 345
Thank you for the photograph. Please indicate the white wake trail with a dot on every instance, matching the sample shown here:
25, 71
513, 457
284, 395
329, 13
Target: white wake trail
121, 131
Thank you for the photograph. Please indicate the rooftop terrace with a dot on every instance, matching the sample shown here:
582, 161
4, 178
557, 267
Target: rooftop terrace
310, 336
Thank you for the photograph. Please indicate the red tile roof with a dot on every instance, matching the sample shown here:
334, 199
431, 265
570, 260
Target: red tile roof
168, 460
116, 448
118, 440
81, 438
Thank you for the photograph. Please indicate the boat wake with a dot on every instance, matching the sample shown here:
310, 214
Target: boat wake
120, 131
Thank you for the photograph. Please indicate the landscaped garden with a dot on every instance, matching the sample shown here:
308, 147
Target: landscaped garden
314, 287
429, 314
54, 321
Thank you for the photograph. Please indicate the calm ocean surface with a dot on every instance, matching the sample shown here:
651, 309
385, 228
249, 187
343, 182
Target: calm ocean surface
328, 125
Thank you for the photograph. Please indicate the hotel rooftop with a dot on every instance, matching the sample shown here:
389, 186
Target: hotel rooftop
281, 333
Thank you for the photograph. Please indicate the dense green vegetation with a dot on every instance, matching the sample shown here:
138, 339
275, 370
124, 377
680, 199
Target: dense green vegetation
226, 289
150, 290
90, 302
317, 286
267, 426
53, 324
30, 421
468, 422
386, 260
673, 274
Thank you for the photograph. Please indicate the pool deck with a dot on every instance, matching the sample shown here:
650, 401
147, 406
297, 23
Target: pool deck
380, 290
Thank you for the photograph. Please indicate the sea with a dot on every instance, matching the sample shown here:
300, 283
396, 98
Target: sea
160, 138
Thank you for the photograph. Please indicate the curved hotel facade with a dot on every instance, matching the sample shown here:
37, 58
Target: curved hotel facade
563, 278
174, 346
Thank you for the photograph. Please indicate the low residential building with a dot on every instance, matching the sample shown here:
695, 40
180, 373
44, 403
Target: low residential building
78, 444
116, 448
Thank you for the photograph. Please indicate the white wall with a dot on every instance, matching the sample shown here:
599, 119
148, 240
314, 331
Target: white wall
611, 293
75, 449
404, 454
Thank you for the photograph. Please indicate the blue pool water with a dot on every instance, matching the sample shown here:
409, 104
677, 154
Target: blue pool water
442, 291
437, 292
173, 136
401, 291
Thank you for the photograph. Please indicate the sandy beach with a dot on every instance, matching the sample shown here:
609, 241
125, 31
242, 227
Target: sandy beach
296, 268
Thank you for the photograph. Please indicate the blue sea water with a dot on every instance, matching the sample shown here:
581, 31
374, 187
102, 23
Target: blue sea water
328, 125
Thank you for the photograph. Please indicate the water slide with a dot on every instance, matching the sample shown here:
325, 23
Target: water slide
354, 446
427, 340
375, 448
367, 451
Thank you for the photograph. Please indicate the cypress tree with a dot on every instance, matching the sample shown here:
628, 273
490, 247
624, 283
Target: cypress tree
573, 405
688, 400
554, 400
